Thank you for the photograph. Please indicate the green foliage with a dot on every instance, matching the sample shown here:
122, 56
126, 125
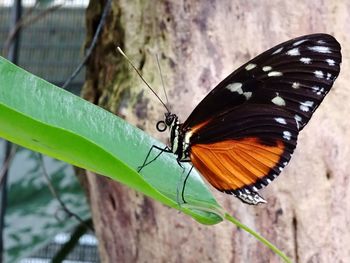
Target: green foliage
44, 118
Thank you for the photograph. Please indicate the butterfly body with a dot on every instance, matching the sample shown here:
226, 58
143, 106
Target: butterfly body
243, 133
179, 143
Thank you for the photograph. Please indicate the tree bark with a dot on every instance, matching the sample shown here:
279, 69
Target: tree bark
200, 43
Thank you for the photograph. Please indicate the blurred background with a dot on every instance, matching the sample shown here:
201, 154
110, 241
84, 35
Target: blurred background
46, 38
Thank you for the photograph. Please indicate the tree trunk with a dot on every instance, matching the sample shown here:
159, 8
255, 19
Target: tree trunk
199, 43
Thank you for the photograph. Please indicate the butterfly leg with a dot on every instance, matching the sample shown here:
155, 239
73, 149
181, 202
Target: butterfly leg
183, 186
161, 150
179, 184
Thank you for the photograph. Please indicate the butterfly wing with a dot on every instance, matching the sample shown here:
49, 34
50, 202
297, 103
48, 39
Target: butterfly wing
243, 150
244, 131
296, 74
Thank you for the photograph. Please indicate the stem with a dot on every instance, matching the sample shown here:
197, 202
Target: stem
258, 237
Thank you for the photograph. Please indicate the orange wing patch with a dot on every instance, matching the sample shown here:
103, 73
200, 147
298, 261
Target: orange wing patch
233, 164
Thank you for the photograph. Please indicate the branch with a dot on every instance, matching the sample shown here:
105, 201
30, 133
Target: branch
57, 197
68, 247
8, 159
92, 45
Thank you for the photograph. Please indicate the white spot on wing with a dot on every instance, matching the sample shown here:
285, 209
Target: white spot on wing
275, 74
293, 52
235, 87
297, 119
296, 85
305, 60
266, 68
318, 90
277, 51
247, 95
250, 66
318, 74
321, 41
329, 75
287, 135
305, 106
299, 42
330, 62
281, 120
279, 101
320, 49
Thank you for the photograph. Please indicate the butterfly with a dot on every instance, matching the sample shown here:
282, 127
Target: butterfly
244, 132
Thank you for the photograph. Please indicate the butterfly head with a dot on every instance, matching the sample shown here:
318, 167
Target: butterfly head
169, 121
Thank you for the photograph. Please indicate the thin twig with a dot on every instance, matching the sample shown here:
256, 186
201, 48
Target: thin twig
8, 159
92, 45
25, 21
3, 195
57, 197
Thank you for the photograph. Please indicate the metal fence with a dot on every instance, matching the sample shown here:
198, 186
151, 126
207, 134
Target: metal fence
52, 46
85, 251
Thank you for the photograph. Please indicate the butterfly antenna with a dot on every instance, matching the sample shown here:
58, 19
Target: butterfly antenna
161, 77
138, 73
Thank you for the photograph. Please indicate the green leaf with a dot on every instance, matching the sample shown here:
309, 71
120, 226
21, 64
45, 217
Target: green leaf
30, 221
37, 115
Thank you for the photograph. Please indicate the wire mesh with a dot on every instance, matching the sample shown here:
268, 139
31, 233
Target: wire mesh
52, 46
85, 251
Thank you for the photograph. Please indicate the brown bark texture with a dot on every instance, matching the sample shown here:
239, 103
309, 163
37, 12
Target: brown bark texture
199, 43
